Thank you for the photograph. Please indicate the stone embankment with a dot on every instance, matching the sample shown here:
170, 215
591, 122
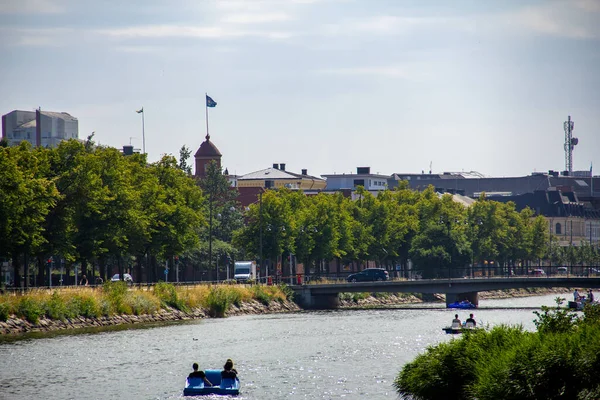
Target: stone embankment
392, 299
21, 326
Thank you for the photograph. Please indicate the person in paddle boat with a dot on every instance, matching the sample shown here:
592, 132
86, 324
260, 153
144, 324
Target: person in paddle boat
456, 324
470, 322
199, 374
228, 370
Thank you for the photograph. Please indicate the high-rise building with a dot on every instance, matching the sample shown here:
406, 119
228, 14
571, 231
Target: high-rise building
40, 128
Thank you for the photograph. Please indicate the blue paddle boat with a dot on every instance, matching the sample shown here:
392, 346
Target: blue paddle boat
464, 305
196, 386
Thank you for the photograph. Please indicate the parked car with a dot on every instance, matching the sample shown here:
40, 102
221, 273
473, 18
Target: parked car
537, 272
369, 274
126, 277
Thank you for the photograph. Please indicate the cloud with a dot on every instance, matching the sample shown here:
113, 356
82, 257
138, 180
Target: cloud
575, 20
182, 31
255, 18
50, 37
31, 7
389, 71
394, 25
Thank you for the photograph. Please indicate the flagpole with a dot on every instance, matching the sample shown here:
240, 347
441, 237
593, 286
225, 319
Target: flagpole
143, 133
206, 108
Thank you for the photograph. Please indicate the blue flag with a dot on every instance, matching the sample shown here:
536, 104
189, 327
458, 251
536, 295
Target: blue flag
210, 102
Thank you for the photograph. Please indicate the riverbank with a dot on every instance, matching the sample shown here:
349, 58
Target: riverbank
15, 326
362, 300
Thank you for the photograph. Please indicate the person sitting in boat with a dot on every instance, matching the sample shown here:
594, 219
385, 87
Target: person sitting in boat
228, 370
470, 322
456, 322
199, 374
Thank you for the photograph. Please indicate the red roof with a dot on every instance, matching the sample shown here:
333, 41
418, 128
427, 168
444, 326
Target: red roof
207, 149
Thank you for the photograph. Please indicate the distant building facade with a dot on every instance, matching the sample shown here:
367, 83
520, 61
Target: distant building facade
40, 128
363, 177
277, 177
570, 204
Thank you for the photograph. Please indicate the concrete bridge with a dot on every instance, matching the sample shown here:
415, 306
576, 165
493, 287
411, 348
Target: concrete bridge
325, 296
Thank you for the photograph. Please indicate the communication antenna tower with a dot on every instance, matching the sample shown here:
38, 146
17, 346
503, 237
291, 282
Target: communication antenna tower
570, 143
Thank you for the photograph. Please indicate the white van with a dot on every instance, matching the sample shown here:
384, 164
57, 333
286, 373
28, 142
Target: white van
244, 271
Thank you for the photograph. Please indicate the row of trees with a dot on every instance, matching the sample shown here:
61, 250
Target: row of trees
436, 233
91, 205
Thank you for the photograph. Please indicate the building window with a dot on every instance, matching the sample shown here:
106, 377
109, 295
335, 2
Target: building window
558, 230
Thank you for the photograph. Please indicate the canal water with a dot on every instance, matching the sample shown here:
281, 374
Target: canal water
347, 354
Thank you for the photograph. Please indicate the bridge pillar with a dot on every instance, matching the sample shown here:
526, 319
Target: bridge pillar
473, 297
319, 302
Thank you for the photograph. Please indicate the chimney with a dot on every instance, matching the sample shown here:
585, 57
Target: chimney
275, 166
282, 167
304, 172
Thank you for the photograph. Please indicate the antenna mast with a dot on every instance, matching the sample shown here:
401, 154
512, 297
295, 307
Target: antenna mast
570, 143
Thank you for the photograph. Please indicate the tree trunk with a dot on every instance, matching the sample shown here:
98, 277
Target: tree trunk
16, 270
26, 269
42, 270
84, 268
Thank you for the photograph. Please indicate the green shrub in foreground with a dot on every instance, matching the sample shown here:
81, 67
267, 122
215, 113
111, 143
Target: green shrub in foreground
560, 361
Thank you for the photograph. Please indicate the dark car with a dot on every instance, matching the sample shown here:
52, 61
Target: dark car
369, 274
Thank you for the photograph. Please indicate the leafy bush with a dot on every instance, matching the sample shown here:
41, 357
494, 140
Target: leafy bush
167, 294
89, 307
557, 319
143, 303
560, 362
56, 307
218, 302
114, 293
5, 309
287, 291
30, 308
261, 294
360, 296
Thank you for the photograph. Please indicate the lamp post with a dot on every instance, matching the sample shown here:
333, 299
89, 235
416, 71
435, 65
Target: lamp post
260, 246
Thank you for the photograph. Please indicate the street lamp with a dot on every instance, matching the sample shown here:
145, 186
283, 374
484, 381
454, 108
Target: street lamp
260, 257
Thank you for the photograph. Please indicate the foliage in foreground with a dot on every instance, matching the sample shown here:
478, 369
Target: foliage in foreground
559, 361
115, 298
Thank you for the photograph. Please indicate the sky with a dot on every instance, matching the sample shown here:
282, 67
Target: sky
325, 85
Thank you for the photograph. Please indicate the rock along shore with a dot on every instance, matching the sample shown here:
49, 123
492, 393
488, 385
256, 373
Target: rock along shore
17, 326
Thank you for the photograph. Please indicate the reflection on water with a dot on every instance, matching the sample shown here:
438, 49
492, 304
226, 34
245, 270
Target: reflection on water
347, 354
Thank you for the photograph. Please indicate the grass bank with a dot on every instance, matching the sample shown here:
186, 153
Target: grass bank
115, 298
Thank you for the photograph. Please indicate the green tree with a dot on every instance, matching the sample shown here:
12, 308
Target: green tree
26, 198
224, 215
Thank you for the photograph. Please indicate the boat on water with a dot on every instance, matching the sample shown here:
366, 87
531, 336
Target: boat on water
465, 304
225, 387
578, 305
457, 328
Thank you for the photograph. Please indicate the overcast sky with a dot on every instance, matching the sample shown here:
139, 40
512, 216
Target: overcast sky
326, 85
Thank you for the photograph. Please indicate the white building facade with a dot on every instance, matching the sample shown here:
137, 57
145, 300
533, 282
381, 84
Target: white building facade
40, 128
